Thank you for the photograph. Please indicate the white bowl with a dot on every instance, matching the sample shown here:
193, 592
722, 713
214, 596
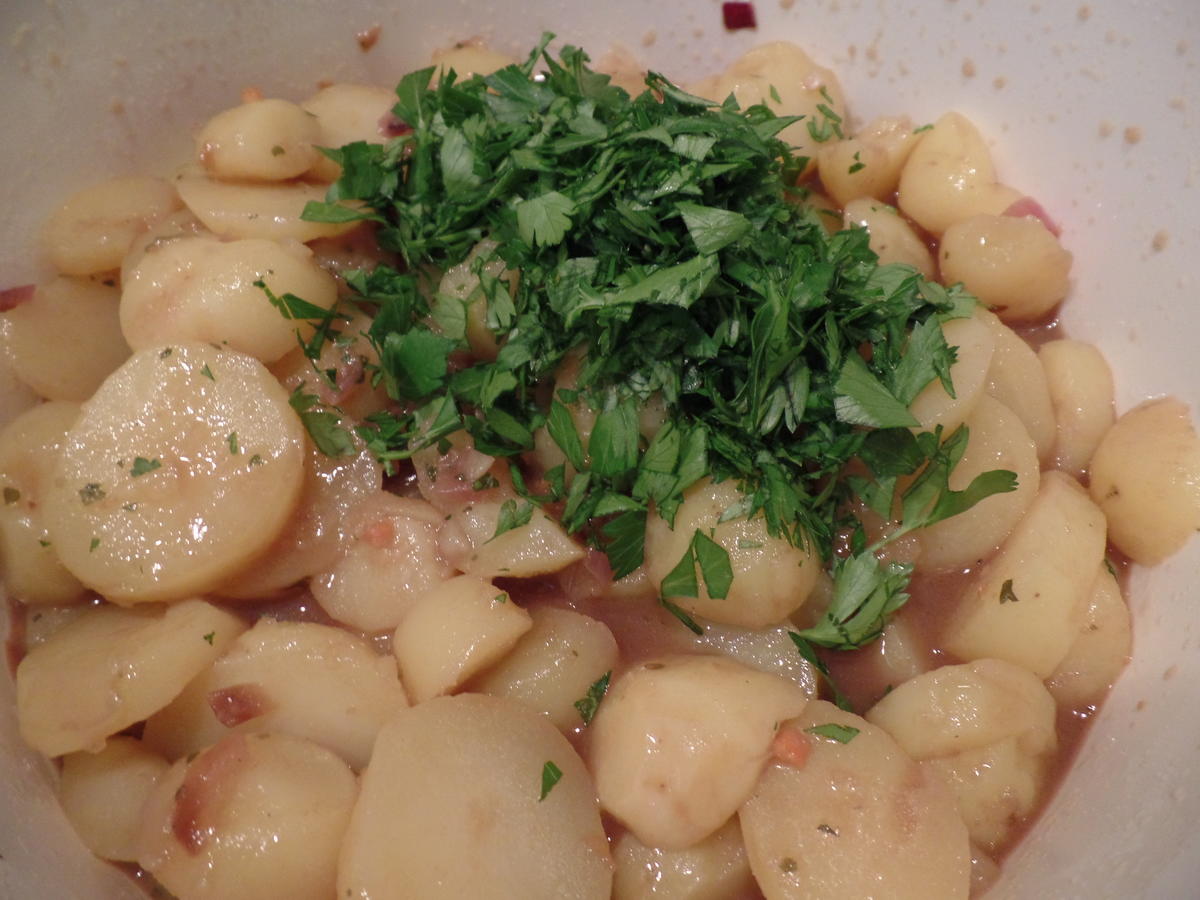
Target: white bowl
1091, 108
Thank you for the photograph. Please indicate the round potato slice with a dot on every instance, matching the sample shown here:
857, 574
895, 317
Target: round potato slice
855, 817
112, 667
255, 817
460, 801
185, 464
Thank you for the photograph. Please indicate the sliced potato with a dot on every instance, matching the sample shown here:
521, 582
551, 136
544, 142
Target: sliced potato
456, 629
1027, 604
679, 743
1099, 652
714, 869
103, 794
299, 678
1146, 477
158, 493
854, 819
457, 803
111, 667
255, 817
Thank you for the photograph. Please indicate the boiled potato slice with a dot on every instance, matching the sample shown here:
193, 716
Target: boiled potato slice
1027, 604
237, 210
1081, 391
997, 440
856, 819
678, 744
1146, 477
150, 501
29, 447
202, 289
1100, 650
112, 667
987, 728
256, 817
93, 230
955, 708
975, 347
263, 140
103, 793
299, 678
771, 578
1016, 378
454, 804
868, 164
714, 869
311, 540
391, 559
553, 664
66, 339
346, 113
892, 238
538, 547
949, 177
458, 628
1013, 264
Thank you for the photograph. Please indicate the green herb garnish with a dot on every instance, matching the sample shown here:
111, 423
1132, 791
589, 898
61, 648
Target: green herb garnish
142, 466
666, 235
589, 703
550, 777
843, 734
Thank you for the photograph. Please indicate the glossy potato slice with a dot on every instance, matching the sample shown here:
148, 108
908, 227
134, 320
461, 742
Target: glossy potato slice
299, 678
679, 743
102, 795
201, 289
450, 808
771, 578
29, 447
714, 869
112, 667
232, 210
66, 339
149, 501
255, 817
857, 819
1028, 602
1146, 478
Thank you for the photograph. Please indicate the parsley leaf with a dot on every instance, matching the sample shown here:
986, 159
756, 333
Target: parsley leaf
551, 775
590, 702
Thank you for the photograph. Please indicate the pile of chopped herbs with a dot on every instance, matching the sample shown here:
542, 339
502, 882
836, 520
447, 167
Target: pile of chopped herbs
666, 235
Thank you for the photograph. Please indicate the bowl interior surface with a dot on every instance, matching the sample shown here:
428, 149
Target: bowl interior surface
1090, 108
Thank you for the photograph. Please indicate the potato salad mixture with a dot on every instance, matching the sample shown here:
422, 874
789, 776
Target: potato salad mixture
536, 483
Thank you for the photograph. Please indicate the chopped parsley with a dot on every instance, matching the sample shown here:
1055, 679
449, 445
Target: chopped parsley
682, 616
232, 440
667, 235
95, 542
590, 702
90, 493
550, 777
11, 495
208, 373
142, 466
209, 637
1006, 592
843, 734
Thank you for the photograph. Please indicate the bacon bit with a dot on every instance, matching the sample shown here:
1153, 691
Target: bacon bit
205, 784
592, 576
391, 125
368, 37
238, 703
791, 747
738, 15
11, 298
251, 94
1027, 206
380, 534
